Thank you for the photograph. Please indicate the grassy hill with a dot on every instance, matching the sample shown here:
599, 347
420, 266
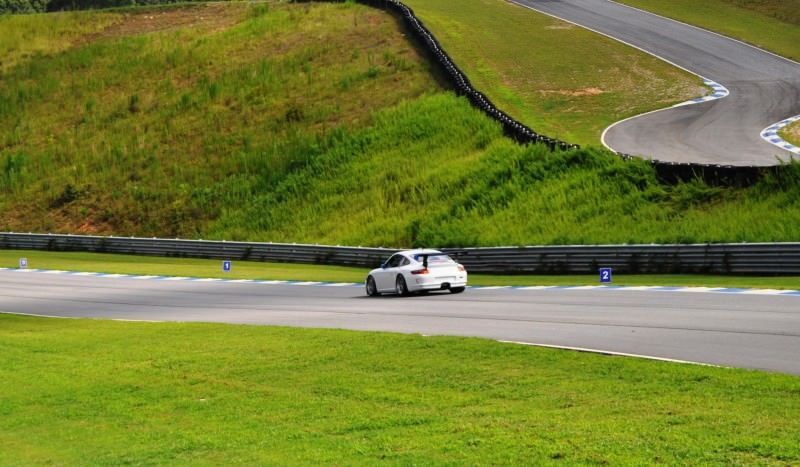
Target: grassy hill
310, 123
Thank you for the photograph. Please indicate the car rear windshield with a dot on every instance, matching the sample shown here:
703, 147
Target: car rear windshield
435, 259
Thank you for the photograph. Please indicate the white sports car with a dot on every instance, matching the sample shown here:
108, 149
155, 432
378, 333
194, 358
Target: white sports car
417, 271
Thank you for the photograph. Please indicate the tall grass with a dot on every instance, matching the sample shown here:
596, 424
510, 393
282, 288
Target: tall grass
23, 37
141, 128
435, 172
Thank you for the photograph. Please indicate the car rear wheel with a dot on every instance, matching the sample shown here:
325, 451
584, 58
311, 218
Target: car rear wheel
400, 286
372, 289
457, 289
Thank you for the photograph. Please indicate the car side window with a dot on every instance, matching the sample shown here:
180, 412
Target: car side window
405, 262
394, 261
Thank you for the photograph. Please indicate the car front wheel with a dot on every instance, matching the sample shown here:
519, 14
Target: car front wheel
372, 289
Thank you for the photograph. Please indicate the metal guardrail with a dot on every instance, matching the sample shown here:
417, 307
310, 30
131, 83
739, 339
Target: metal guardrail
739, 258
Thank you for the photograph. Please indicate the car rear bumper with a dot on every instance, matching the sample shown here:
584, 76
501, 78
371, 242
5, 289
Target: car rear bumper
437, 285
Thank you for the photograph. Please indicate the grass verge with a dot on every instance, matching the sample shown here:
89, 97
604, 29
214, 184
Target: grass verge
791, 133
148, 265
769, 24
561, 80
102, 392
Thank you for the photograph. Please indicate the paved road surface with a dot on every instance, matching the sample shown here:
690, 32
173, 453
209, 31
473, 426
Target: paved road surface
764, 89
751, 331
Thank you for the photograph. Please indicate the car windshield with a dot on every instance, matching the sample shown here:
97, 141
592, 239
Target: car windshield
434, 259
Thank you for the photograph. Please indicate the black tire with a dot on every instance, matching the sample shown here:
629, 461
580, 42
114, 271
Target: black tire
457, 289
400, 286
372, 289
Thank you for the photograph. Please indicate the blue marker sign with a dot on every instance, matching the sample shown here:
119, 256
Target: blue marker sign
23, 263
605, 275
226, 266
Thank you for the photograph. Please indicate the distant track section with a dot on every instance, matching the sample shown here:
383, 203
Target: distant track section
764, 88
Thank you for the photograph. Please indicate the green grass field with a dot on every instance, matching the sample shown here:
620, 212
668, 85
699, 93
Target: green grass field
211, 394
187, 267
770, 24
561, 80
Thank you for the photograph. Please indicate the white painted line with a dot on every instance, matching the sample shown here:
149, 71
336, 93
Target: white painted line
494, 287
305, 283
112, 276
538, 287
610, 352
85, 273
341, 284
137, 320
207, 279
273, 282
699, 289
764, 292
241, 281
176, 278
141, 278
53, 271
37, 315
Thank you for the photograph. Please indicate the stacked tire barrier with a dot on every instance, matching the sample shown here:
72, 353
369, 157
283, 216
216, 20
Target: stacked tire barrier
740, 258
458, 79
667, 172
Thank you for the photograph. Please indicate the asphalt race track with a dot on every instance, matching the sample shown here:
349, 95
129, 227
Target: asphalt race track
764, 88
743, 330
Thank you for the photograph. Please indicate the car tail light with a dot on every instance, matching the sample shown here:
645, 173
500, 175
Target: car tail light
420, 271
461, 268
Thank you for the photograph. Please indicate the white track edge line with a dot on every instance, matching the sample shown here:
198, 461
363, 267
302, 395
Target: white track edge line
708, 31
39, 315
612, 353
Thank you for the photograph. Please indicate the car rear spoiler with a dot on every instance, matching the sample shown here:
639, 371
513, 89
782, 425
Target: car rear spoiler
425, 256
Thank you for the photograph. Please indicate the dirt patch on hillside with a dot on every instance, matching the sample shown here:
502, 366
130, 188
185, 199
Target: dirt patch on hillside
561, 26
209, 16
575, 92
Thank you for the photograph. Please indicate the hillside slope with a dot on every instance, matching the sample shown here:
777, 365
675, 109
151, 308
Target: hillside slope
312, 123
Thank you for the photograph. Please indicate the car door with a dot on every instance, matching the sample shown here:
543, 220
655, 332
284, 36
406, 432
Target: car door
386, 276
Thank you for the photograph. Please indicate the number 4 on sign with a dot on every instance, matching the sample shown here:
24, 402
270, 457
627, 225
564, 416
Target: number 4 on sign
605, 275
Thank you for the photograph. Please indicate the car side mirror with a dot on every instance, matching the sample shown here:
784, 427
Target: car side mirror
383, 265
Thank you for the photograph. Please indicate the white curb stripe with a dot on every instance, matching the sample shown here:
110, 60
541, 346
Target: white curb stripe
609, 288
770, 135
